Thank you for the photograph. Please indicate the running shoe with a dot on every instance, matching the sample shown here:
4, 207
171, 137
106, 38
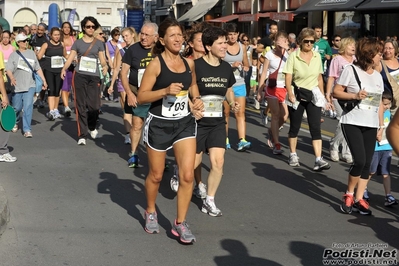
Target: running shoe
321, 165
270, 138
334, 155
174, 181
7, 158
348, 159
94, 133
200, 191
389, 200
263, 118
210, 208
257, 104
277, 149
183, 231
347, 203
228, 146
127, 139
151, 222
15, 128
293, 160
244, 145
366, 196
82, 141
56, 114
50, 115
133, 161
28, 134
362, 207
67, 111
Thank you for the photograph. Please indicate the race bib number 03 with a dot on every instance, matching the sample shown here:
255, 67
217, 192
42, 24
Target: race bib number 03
175, 106
213, 105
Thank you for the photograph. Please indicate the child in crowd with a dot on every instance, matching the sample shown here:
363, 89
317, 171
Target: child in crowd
381, 162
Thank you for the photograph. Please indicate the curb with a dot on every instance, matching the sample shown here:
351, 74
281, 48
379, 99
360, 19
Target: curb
4, 211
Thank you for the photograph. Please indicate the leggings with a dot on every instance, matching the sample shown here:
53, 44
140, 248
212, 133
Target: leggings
314, 115
361, 142
54, 82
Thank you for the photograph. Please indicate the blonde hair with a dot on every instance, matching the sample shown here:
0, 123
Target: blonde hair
97, 32
394, 44
133, 32
345, 42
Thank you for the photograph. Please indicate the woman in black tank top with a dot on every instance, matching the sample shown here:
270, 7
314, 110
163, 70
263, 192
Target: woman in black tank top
166, 84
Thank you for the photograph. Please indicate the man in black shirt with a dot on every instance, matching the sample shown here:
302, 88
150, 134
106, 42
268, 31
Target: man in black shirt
268, 40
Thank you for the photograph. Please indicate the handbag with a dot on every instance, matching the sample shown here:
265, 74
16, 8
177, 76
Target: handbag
394, 85
302, 94
38, 80
349, 105
272, 81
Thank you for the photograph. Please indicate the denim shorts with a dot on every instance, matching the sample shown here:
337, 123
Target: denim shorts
381, 163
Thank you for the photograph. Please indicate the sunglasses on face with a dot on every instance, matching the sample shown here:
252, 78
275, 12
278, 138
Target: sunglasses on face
308, 41
245, 40
90, 27
338, 40
23, 41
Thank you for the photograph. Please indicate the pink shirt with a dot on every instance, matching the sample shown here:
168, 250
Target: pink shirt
338, 64
6, 52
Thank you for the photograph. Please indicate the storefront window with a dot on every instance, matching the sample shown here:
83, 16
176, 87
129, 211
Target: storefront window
348, 24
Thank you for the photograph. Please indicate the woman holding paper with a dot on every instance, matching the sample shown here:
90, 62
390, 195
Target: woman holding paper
54, 53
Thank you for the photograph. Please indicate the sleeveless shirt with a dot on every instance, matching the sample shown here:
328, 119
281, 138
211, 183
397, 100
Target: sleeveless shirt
165, 78
52, 50
229, 58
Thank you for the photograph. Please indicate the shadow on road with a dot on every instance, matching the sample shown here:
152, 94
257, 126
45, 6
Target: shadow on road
310, 254
239, 255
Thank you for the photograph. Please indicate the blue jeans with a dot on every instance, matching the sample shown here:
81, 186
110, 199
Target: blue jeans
24, 101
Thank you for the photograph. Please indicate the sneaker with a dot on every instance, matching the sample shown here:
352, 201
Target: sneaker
270, 138
133, 161
15, 128
183, 231
321, 165
94, 133
228, 146
366, 196
151, 222
174, 181
200, 191
348, 159
116, 100
263, 118
257, 104
40, 103
334, 155
210, 208
50, 115
28, 134
362, 207
67, 111
277, 149
244, 145
7, 158
389, 200
56, 113
127, 139
82, 141
293, 160
347, 203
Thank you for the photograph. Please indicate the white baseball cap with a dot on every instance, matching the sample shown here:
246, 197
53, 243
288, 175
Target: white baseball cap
20, 37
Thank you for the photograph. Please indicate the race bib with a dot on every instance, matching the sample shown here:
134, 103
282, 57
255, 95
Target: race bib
140, 74
88, 64
371, 102
175, 106
24, 66
395, 75
213, 105
57, 62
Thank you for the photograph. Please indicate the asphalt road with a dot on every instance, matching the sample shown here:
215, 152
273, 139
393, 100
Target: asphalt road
82, 205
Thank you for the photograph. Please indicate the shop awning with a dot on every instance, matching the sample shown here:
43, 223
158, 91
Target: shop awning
198, 11
224, 19
286, 16
378, 4
253, 17
329, 5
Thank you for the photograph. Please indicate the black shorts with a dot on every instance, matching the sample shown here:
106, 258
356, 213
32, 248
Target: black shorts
161, 133
211, 137
141, 110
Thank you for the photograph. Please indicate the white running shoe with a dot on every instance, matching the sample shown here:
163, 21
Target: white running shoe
94, 133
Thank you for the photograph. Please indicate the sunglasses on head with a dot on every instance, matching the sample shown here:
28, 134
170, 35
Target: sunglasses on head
90, 27
308, 41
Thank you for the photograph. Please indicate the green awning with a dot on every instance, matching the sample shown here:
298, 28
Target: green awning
4, 23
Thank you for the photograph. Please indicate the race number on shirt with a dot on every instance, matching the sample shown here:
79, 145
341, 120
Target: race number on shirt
88, 64
213, 105
24, 66
175, 106
57, 61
